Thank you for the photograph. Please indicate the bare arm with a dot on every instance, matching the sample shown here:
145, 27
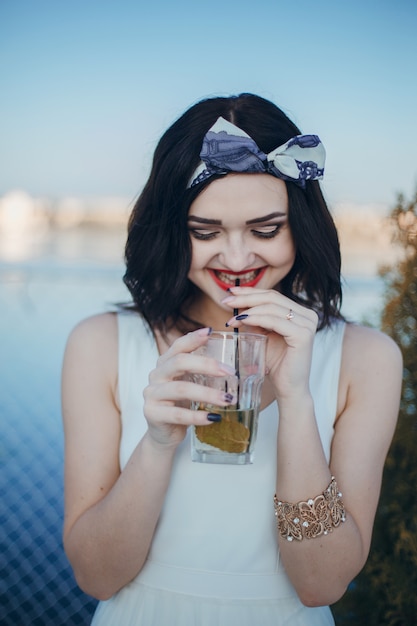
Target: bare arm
107, 528
110, 516
321, 568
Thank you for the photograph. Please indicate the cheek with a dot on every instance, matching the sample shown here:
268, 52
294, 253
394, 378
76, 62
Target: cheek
196, 256
201, 255
291, 252
283, 253
290, 248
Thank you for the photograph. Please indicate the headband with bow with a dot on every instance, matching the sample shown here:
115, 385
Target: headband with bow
227, 148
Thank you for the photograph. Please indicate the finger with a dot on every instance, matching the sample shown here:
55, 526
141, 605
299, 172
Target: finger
258, 297
269, 315
248, 297
247, 290
294, 335
181, 390
180, 416
182, 364
187, 343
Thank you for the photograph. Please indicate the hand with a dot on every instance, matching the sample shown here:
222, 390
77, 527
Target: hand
290, 328
169, 394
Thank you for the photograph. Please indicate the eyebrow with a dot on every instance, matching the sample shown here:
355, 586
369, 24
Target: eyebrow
256, 220
266, 218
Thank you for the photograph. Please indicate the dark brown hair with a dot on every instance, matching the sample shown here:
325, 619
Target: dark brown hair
158, 248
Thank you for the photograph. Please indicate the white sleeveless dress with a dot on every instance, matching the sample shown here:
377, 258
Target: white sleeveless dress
214, 559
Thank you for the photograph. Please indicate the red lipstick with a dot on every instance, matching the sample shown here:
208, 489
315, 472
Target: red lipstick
224, 284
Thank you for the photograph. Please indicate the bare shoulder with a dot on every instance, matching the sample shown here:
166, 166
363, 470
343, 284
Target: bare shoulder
94, 343
371, 364
98, 332
101, 327
366, 345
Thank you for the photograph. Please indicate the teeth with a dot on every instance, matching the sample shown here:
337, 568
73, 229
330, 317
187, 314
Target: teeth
229, 279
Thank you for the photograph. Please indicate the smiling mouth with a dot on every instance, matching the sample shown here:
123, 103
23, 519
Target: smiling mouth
228, 279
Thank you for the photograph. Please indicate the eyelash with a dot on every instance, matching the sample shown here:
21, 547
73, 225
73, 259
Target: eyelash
261, 235
203, 237
268, 234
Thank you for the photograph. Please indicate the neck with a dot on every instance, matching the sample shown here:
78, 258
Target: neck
208, 313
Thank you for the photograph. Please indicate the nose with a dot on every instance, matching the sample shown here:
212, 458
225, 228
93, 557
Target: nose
236, 255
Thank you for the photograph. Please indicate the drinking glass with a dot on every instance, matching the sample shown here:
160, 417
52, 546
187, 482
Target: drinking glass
232, 440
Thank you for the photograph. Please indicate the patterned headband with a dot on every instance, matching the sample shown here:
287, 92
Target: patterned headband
227, 148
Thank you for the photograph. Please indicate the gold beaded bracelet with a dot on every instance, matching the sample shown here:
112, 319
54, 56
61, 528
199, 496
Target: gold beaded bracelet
313, 518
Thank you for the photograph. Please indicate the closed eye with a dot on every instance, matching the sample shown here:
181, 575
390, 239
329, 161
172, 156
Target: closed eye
203, 234
267, 232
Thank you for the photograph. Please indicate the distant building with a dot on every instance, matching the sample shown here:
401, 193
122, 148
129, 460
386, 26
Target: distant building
21, 219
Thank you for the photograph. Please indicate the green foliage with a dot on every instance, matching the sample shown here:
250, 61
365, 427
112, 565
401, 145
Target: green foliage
385, 592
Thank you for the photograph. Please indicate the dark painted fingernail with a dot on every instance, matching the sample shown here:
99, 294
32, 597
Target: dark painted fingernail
227, 324
204, 332
214, 417
228, 397
242, 316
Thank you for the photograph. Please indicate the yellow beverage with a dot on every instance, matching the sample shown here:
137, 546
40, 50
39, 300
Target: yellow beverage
233, 434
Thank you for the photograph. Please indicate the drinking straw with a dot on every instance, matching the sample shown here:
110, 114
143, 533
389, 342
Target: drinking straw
236, 311
236, 332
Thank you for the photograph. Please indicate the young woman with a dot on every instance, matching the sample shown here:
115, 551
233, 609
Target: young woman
160, 540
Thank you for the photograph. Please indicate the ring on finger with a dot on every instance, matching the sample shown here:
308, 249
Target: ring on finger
290, 315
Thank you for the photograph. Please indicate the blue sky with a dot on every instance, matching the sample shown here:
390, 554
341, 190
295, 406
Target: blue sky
88, 86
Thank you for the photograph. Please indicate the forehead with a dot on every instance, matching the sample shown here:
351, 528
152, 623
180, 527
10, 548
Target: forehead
245, 195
